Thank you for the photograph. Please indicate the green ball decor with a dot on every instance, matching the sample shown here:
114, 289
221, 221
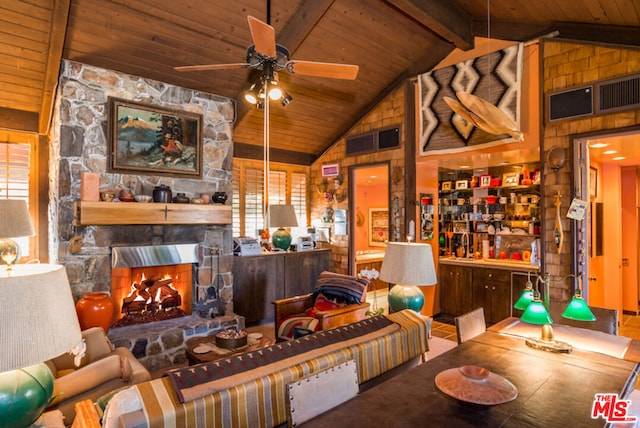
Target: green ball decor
24, 395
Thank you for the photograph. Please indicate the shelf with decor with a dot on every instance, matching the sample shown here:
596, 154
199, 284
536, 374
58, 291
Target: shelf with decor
500, 206
131, 213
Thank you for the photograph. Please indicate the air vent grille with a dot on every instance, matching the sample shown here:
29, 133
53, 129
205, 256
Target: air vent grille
388, 138
618, 94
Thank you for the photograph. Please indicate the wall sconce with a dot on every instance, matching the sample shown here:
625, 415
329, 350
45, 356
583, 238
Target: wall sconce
556, 158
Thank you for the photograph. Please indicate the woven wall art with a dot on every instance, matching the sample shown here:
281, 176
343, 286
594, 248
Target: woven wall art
495, 77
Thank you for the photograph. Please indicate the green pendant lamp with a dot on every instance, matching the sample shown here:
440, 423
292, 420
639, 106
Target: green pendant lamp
536, 313
527, 295
577, 309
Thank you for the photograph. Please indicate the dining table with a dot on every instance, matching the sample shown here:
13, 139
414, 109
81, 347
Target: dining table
552, 389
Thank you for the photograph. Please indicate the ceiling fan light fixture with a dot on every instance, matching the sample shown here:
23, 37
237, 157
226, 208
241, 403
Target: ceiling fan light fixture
275, 91
286, 99
252, 94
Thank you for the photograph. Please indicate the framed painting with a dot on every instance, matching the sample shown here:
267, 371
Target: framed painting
511, 179
593, 182
446, 185
144, 139
462, 184
378, 227
331, 170
485, 180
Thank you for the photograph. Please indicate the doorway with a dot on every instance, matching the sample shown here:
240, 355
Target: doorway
369, 214
607, 175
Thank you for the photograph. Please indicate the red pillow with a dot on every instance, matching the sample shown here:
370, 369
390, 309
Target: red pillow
322, 304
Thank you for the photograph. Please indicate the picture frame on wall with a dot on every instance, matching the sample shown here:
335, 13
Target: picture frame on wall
378, 227
446, 185
144, 139
331, 170
485, 180
593, 182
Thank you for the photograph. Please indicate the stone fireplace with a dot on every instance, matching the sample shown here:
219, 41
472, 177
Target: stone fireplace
79, 144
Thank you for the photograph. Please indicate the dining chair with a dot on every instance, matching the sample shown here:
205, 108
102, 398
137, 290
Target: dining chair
470, 325
319, 392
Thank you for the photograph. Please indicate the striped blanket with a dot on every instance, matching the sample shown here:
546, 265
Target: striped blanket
256, 397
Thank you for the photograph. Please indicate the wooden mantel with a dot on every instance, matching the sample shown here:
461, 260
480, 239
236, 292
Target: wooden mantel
127, 213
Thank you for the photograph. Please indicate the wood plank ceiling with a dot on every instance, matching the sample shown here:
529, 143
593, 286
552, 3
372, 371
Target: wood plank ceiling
390, 40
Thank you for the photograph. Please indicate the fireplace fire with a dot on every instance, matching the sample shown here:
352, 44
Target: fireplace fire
159, 289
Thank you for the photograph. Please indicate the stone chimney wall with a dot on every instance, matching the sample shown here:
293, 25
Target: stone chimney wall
79, 144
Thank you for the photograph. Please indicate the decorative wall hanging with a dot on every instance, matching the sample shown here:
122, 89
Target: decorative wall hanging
446, 128
152, 140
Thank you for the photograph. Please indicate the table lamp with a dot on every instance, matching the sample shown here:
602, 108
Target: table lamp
538, 313
282, 216
406, 265
38, 322
577, 308
16, 223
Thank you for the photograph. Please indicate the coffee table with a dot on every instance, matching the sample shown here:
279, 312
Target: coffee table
195, 354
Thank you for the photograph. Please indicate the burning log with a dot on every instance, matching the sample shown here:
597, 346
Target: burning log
152, 294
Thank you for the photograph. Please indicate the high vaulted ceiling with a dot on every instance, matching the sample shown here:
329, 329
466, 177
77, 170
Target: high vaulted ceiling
390, 40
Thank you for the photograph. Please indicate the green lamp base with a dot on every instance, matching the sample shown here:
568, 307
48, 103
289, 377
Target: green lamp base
24, 395
406, 297
281, 239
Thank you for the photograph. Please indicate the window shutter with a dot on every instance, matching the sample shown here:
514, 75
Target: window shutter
299, 201
15, 162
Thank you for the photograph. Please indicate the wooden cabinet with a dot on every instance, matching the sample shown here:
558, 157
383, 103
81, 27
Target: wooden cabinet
121, 213
455, 289
492, 291
464, 288
259, 280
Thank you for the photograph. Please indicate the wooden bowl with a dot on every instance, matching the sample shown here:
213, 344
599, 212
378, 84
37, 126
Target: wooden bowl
231, 339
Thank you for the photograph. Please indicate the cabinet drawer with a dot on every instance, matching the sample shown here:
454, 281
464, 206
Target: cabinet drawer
491, 275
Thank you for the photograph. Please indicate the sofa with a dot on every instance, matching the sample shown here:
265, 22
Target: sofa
249, 389
102, 370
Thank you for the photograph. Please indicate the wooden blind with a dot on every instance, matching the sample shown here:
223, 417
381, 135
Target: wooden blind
299, 201
15, 169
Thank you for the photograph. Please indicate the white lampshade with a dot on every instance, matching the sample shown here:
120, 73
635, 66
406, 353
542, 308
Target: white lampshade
16, 221
282, 216
408, 264
38, 318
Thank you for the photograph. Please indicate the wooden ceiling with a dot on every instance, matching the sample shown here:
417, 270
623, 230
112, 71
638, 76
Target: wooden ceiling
390, 40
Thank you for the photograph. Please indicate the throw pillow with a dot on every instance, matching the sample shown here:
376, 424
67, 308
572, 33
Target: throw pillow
289, 324
344, 288
322, 304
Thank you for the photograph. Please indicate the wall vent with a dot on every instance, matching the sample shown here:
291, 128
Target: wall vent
573, 103
382, 139
618, 94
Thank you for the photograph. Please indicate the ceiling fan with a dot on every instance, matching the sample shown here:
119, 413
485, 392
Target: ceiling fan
269, 57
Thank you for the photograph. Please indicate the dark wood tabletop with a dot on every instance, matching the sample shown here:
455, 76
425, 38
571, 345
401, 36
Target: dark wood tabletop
554, 390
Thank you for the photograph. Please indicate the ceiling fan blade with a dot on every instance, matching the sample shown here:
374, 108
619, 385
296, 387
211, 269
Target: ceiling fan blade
264, 37
323, 69
212, 67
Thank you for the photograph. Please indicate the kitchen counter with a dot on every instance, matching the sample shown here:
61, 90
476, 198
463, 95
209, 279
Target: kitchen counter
494, 263
370, 257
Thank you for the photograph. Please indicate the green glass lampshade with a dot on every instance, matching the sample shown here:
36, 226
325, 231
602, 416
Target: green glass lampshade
24, 395
525, 298
577, 309
281, 238
405, 297
536, 313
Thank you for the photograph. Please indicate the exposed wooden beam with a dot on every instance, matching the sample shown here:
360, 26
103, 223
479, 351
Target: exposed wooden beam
59, 19
250, 151
443, 17
18, 120
524, 31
